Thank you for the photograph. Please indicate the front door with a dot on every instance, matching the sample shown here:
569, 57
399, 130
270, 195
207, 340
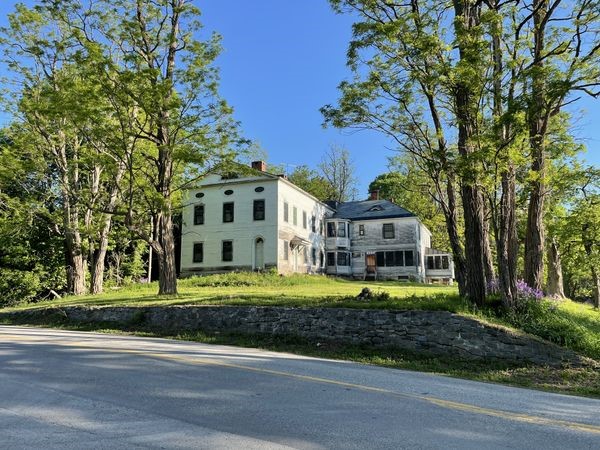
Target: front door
259, 254
370, 263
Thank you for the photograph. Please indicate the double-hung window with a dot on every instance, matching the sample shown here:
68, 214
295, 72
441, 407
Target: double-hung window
343, 259
331, 258
199, 215
228, 212
388, 231
259, 210
227, 251
331, 230
198, 255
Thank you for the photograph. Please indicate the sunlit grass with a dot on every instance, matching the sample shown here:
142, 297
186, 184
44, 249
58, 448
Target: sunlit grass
261, 289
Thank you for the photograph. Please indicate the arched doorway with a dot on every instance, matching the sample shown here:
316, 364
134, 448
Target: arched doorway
259, 254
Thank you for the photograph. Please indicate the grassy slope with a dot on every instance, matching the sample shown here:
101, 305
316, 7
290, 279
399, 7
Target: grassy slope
257, 289
570, 324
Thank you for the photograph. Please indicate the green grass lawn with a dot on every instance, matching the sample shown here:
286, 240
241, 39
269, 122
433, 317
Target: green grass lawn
570, 324
258, 289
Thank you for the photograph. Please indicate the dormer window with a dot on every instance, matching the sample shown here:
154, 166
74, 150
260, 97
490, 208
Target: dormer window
376, 208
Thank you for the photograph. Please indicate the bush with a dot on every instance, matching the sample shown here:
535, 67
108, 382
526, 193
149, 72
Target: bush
369, 295
241, 279
550, 319
18, 286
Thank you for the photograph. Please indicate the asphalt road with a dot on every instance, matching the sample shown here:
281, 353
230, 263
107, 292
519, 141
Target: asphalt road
61, 389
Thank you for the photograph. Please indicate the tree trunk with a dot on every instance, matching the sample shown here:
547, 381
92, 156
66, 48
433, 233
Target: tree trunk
555, 285
468, 18
508, 244
97, 281
164, 245
450, 207
534, 235
76, 261
74, 269
596, 292
490, 272
97, 278
167, 280
450, 214
474, 244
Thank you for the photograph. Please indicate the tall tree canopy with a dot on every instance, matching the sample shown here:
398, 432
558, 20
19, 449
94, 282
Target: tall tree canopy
122, 99
467, 89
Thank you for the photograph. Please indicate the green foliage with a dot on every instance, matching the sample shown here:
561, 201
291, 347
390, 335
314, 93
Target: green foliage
567, 324
310, 181
119, 102
240, 279
31, 259
576, 227
18, 286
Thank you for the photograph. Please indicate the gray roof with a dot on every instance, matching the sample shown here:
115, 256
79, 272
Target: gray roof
370, 209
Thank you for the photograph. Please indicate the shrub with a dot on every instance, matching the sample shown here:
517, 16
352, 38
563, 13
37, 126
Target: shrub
369, 295
17, 286
241, 279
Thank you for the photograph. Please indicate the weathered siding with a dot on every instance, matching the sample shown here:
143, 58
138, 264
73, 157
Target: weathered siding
299, 260
407, 231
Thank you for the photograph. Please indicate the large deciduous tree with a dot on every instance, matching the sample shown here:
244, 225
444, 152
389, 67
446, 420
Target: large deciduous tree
40, 53
152, 58
467, 89
564, 62
123, 96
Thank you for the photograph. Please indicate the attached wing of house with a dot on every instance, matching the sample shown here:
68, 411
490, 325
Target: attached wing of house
379, 239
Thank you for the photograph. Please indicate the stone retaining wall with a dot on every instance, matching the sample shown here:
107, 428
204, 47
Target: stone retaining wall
432, 332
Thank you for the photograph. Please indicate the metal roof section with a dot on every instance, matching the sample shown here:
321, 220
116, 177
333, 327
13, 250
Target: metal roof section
370, 209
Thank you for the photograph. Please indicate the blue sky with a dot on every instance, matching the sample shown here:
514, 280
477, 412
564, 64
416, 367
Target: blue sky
283, 60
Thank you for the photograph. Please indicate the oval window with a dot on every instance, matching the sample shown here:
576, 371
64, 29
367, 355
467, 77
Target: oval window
259, 189
200, 195
228, 192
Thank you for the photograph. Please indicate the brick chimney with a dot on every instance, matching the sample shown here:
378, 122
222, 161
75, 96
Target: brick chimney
374, 195
259, 165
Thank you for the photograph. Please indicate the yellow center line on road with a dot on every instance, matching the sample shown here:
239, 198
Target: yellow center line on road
202, 360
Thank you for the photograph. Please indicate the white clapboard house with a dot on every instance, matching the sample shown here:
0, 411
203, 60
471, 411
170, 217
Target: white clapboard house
255, 220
